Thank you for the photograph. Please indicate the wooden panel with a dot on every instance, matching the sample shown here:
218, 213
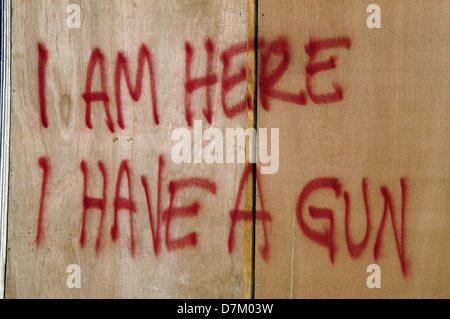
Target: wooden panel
388, 133
364, 133
40, 252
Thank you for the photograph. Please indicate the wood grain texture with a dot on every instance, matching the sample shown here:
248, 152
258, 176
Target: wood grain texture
207, 270
386, 136
391, 123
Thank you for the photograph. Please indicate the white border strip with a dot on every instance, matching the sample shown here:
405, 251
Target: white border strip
5, 130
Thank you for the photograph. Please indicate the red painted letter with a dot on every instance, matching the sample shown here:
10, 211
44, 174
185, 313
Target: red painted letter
184, 211
326, 238
313, 67
155, 232
400, 243
230, 81
247, 215
90, 202
102, 96
44, 164
193, 84
124, 203
268, 81
122, 64
42, 66
355, 250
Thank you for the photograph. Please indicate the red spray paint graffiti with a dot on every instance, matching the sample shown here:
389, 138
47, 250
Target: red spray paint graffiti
122, 64
269, 77
355, 250
400, 242
95, 203
97, 57
193, 84
44, 164
42, 68
247, 215
267, 80
184, 211
327, 238
313, 67
124, 203
230, 81
155, 231
128, 203
164, 217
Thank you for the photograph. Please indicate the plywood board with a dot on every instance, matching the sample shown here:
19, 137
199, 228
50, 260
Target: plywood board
361, 114
53, 146
375, 122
